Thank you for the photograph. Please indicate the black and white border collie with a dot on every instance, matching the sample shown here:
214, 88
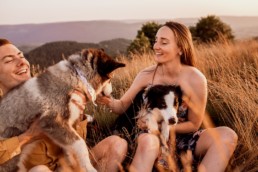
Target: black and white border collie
159, 110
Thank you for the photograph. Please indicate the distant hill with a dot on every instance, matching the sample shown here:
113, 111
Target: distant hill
96, 31
86, 31
53, 52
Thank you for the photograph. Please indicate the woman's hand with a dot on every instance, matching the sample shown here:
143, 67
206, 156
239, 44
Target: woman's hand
114, 105
104, 100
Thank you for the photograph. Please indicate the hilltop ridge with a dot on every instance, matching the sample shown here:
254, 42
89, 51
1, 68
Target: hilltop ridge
97, 31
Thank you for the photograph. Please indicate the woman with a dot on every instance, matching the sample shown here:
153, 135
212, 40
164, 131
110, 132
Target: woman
15, 69
174, 54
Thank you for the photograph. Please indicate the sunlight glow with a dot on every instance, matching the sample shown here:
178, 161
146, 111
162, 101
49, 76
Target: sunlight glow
38, 11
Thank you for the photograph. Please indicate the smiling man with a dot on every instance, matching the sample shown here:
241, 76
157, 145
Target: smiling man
14, 68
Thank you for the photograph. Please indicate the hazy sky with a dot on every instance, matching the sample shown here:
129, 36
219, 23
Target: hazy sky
46, 11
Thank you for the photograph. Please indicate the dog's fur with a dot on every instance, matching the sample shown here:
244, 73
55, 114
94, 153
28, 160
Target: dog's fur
50, 96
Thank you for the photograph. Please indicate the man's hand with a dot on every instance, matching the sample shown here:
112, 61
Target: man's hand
33, 131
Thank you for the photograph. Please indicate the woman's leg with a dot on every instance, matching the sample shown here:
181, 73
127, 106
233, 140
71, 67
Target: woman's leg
40, 168
216, 146
146, 153
109, 153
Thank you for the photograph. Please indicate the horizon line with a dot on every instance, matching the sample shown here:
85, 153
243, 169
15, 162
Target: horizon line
121, 20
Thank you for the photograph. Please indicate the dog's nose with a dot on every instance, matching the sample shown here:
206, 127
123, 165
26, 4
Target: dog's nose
172, 120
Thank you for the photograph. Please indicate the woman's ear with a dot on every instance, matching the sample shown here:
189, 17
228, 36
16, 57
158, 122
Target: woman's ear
180, 51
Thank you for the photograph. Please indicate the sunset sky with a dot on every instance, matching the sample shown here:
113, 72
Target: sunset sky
47, 11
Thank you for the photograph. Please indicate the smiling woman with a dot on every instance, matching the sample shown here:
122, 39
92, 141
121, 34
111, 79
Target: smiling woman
14, 68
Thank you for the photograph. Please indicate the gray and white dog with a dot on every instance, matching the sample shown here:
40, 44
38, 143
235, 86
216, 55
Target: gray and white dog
50, 96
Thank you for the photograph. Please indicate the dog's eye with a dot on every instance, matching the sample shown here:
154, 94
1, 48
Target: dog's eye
163, 105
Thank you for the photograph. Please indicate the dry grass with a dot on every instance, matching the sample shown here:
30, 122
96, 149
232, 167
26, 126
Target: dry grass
231, 70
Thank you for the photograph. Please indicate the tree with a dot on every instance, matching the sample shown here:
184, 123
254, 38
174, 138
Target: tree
140, 44
145, 38
210, 29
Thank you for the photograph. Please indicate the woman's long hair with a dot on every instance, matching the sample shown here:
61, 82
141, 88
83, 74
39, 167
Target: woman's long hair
184, 42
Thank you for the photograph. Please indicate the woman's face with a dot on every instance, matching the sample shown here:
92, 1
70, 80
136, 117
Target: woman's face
165, 46
14, 68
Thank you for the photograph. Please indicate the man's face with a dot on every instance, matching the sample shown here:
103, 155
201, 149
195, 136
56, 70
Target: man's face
14, 68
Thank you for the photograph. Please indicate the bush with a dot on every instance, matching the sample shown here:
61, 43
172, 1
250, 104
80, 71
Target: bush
210, 29
145, 38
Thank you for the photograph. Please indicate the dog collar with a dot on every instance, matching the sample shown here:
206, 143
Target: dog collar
90, 89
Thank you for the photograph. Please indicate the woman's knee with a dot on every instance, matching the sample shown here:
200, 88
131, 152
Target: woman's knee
220, 136
40, 168
228, 136
147, 142
118, 144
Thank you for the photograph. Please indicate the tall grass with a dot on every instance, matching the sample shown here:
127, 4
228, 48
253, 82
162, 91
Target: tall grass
231, 70
232, 74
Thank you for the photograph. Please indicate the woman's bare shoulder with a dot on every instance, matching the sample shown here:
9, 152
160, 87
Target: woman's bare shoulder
144, 77
192, 74
147, 71
193, 82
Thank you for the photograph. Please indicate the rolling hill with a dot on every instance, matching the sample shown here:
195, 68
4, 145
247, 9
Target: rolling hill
53, 52
97, 31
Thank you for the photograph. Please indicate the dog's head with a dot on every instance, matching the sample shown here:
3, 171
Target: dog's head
167, 98
97, 67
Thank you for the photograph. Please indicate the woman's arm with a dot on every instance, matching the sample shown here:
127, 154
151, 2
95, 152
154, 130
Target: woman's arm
195, 96
119, 106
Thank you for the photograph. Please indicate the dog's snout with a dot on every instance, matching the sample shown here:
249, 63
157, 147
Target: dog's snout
172, 120
107, 90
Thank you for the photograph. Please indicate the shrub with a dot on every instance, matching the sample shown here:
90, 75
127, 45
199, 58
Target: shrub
145, 38
210, 29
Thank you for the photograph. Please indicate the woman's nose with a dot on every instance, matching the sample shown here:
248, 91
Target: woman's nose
155, 46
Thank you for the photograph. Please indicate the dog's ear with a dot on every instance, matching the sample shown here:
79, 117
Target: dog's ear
144, 94
100, 61
179, 93
105, 64
87, 54
107, 67
90, 55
